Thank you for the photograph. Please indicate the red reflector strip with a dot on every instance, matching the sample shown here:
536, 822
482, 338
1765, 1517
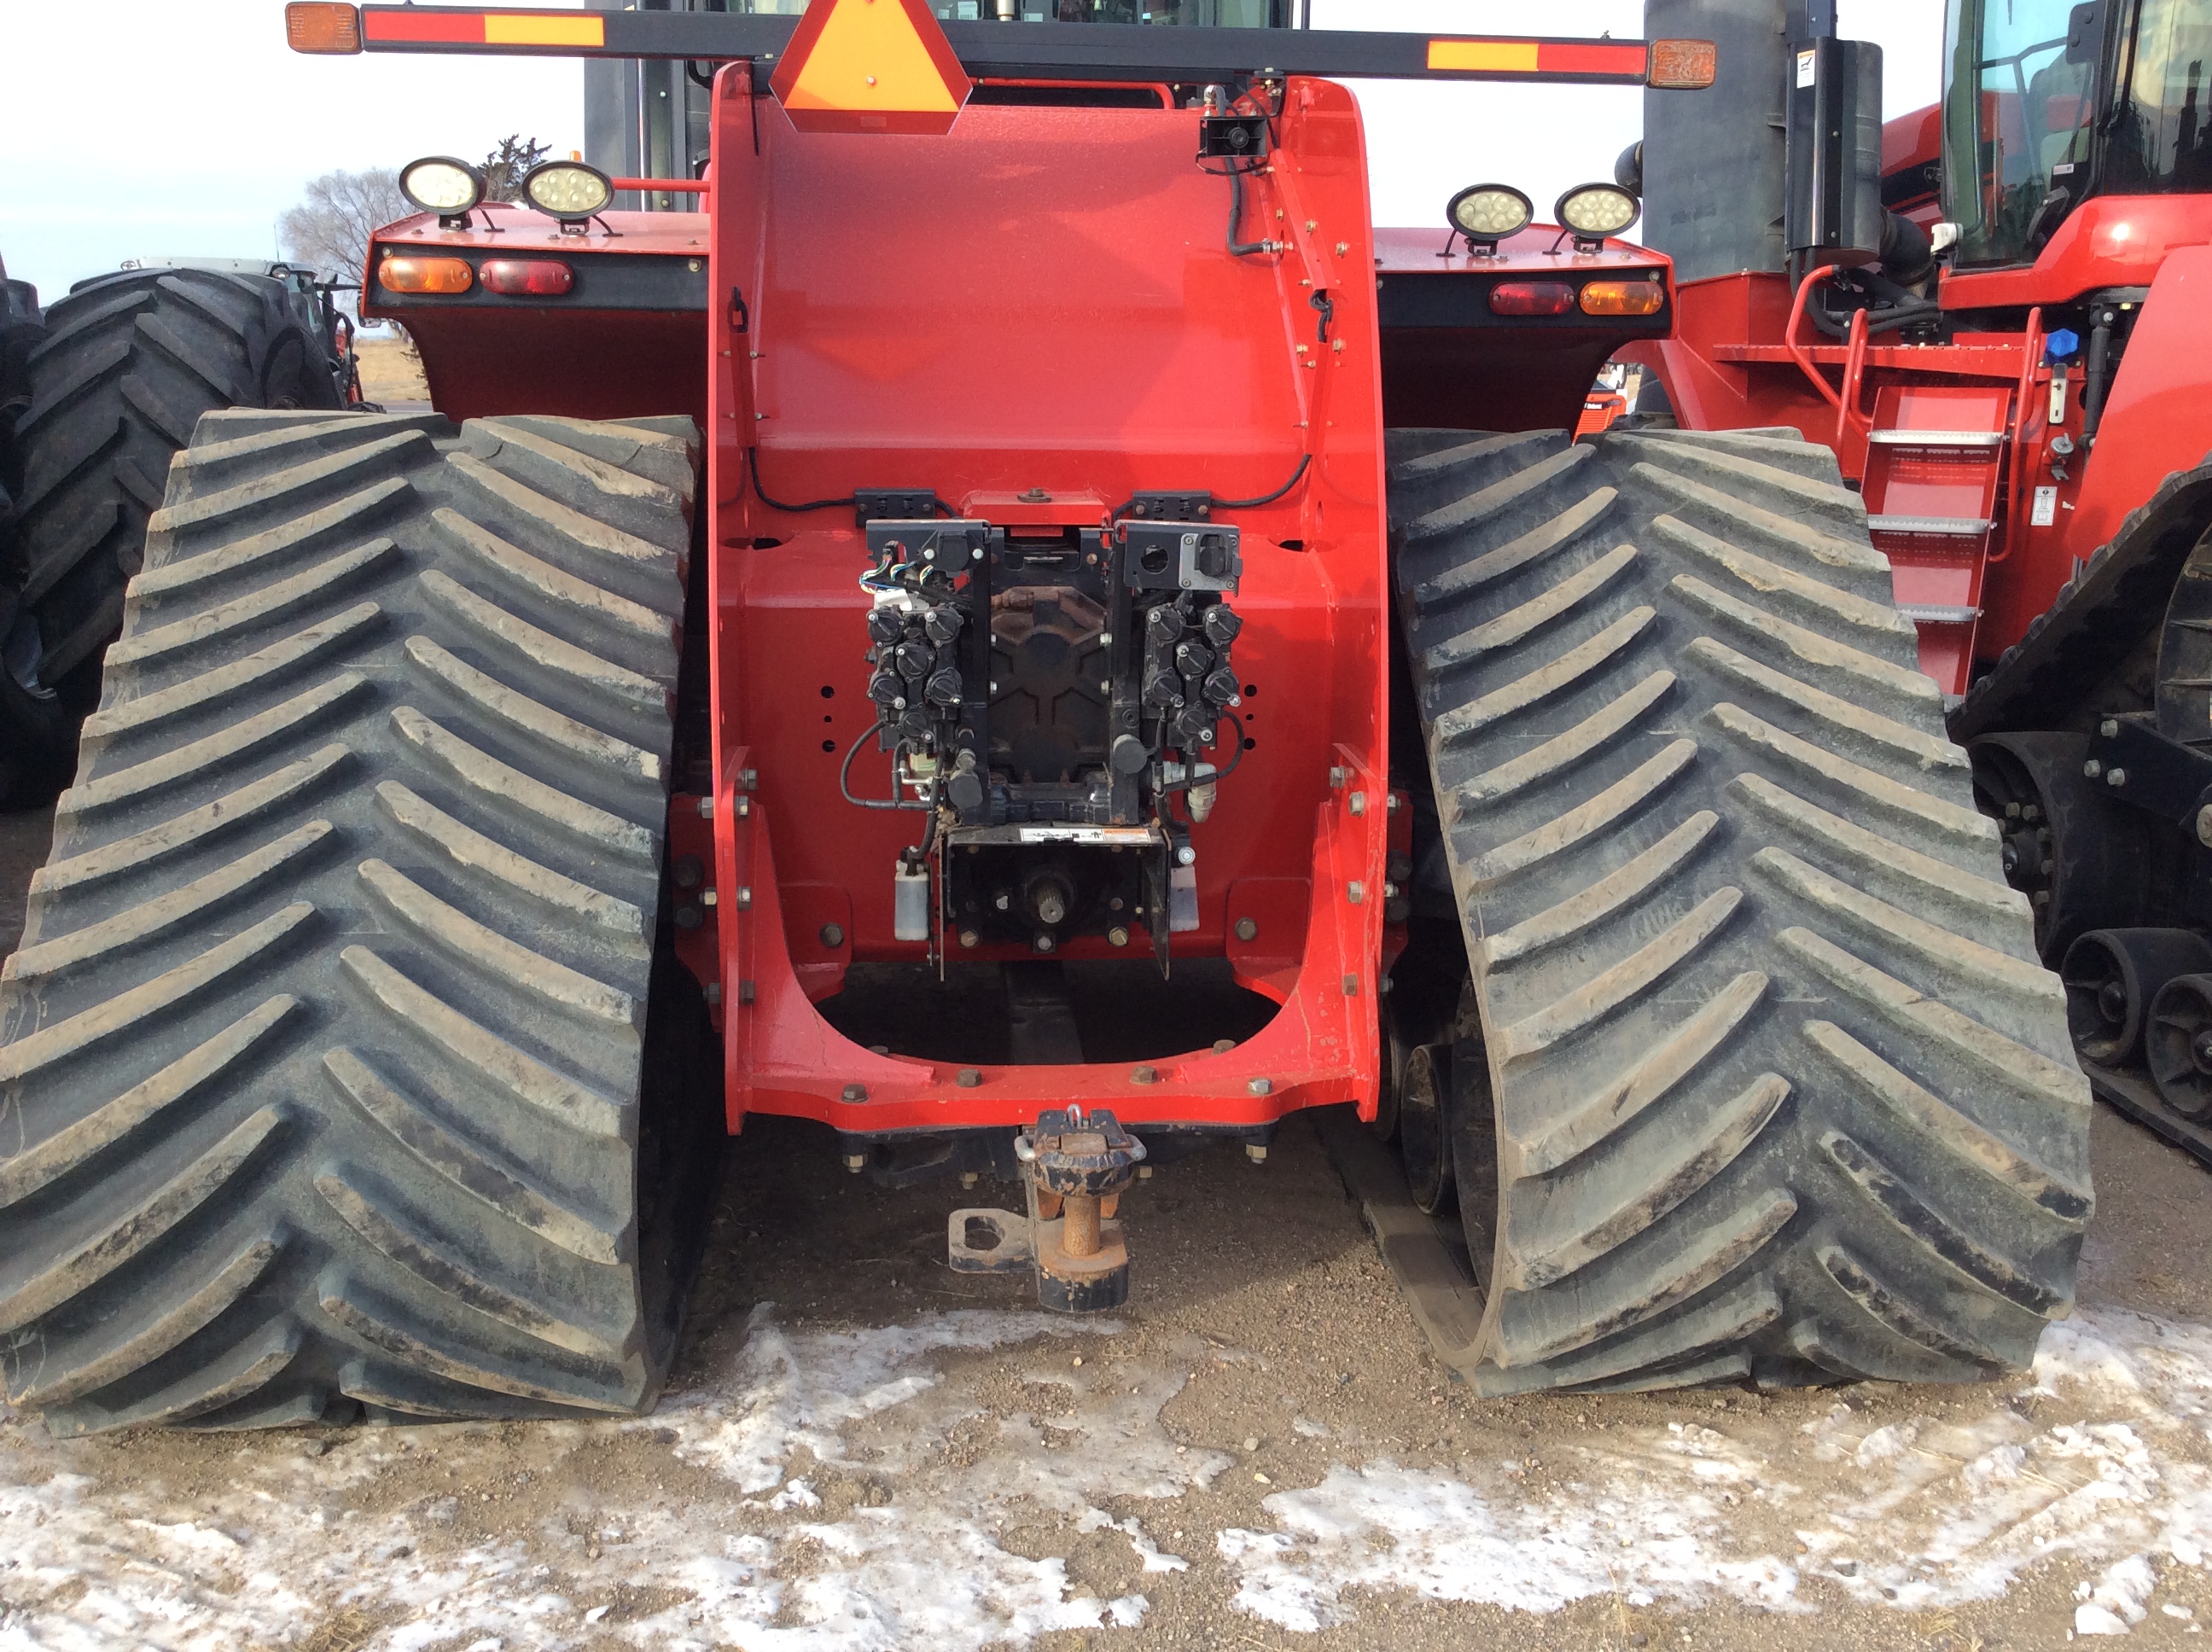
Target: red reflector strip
1532, 298
427, 27
526, 277
1591, 57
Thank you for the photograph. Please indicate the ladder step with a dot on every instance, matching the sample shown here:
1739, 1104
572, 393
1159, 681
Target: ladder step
1939, 438
1965, 527
1936, 614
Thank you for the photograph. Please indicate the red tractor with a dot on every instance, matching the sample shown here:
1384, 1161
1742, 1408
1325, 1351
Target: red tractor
1030, 632
1991, 311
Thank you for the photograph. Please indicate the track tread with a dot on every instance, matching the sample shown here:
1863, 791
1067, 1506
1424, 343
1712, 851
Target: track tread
323, 1049
1779, 1083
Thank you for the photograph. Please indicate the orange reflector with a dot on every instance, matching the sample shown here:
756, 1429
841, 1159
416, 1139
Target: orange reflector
1683, 65
1623, 298
870, 66
1495, 57
425, 275
319, 27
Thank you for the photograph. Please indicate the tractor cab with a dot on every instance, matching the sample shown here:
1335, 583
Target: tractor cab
2047, 105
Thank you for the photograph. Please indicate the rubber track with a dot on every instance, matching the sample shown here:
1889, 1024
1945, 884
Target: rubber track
2099, 617
320, 1057
1782, 1091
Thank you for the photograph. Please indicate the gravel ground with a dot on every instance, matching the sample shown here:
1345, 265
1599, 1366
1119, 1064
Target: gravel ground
860, 1449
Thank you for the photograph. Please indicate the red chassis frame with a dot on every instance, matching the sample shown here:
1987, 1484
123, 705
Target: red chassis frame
1742, 356
1104, 342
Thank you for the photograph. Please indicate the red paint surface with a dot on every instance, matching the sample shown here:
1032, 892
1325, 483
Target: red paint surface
1042, 300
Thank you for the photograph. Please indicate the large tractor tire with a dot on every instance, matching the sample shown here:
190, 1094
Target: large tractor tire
345, 1063
129, 363
1762, 1078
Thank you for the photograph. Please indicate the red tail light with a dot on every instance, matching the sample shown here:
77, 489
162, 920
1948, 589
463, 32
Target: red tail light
1532, 298
526, 277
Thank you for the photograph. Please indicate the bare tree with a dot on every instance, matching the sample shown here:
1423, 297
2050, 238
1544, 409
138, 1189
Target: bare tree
331, 228
503, 168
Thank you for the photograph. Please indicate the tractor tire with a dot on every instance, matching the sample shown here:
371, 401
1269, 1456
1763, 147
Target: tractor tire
20, 331
129, 363
1776, 1088
344, 1060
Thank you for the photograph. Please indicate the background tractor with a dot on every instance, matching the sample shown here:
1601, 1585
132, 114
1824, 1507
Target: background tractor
97, 394
1991, 311
1030, 632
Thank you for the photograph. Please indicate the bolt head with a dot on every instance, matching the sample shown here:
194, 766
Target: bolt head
2204, 826
969, 1178
2092, 769
1144, 1173
2116, 777
1247, 930
1261, 1086
1117, 936
970, 939
1256, 1151
1144, 1075
1186, 855
968, 1078
856, 1163
856, 1092
2110, 728
833, 935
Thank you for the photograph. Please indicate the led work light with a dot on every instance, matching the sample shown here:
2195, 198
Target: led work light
1593, 211
1487, 212
567, 189
440, 184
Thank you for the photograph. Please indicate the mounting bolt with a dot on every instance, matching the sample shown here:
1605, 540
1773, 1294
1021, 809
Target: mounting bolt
707, 808
1261, 1086
2110, 728
1223, 1046
1355, 891
1389, 890
1144, 1075
833, 935
745, 992
2204, 825
969, 937
744, 807
1248, 931
2116, 777
1358, 803
748, 780
968, 1179
714, 993
1117, 936
1391, 804
855, 1163
968, 1078
1256, 1151
1144, 1173
856, 1092
1339, 777
2092, 769
1351, 987
1186, 855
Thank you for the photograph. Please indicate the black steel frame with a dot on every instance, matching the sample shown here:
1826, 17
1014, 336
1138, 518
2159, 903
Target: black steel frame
1069, 51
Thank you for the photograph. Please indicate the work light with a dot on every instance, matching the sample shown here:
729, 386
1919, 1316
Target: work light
567, 189
1487, 212
1593, 211
440, 184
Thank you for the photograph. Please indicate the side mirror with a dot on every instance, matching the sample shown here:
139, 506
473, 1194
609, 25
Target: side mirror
2085, 33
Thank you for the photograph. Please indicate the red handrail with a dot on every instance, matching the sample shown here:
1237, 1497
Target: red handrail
2032, 352
662, 185
1802, 356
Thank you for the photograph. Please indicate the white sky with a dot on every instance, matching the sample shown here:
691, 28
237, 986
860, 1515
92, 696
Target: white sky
133, 127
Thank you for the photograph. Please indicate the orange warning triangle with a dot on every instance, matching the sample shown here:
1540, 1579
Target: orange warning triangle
870, 66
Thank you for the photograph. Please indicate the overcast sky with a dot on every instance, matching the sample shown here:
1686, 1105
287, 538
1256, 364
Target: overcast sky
130, 127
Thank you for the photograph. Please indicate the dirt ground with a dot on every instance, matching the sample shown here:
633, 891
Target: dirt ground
860, 1449
392, 375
